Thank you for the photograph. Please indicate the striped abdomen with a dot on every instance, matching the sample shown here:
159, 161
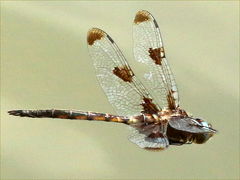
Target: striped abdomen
70, 114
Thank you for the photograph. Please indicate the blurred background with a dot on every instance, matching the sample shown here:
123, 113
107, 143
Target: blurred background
45, 64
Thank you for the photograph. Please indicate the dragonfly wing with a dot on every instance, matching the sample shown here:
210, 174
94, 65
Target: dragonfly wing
150, 137
149, 49
124, 91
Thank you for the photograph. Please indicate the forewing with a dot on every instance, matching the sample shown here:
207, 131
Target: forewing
149, 49
127, 95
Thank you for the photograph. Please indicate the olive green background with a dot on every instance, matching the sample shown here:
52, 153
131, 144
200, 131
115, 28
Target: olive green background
45, 64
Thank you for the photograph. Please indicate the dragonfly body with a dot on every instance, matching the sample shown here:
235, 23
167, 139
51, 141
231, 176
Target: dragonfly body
144, 123
151, 108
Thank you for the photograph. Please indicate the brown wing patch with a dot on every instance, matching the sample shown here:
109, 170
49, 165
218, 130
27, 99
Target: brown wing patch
171, 100
94, 34
124, 73
142, 16
149, 107
157, 55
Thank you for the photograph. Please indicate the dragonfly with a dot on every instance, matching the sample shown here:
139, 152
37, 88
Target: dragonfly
150, 106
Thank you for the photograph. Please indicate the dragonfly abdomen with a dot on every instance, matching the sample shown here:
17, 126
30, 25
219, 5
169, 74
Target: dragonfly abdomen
70, 114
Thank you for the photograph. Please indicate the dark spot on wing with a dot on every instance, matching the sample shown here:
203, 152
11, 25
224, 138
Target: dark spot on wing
171, 100
142, 16
155, 23
110, 39
94, 34
157, 55
123, 73
149, 107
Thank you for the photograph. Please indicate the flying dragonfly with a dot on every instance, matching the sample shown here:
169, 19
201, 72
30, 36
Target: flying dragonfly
151, 106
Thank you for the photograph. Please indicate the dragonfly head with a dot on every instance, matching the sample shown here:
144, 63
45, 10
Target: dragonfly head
190, 129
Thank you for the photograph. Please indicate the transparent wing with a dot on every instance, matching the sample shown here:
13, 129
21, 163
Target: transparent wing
127, 95
149, 137
148, 49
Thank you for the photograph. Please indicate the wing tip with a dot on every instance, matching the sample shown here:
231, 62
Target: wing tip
142, 16
93, 35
